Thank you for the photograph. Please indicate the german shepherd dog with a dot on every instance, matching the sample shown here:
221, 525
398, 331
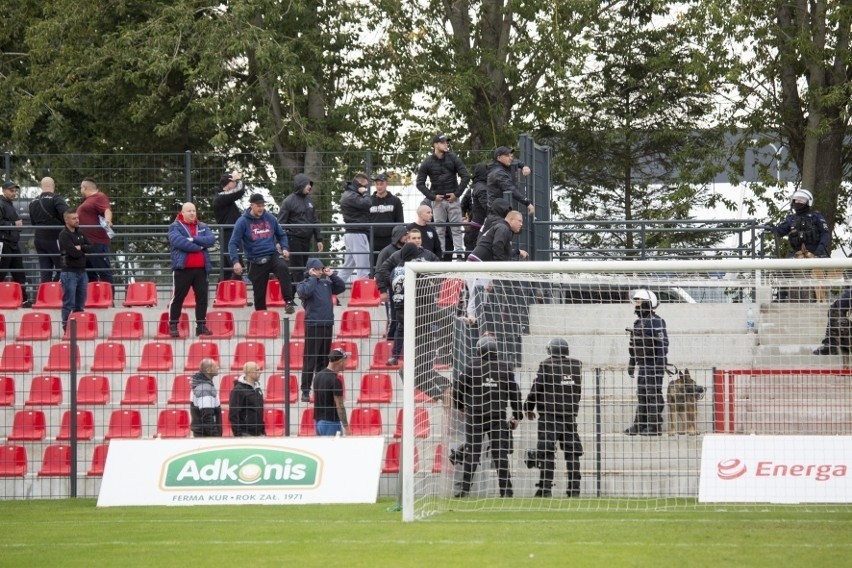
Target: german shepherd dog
820, 292
682, 396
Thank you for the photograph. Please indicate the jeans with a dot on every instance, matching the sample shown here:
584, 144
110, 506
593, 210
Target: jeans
446, 212
328, 428
74, 286
98, 265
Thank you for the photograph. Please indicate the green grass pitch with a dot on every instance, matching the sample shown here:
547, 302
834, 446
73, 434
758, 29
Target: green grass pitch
75, 533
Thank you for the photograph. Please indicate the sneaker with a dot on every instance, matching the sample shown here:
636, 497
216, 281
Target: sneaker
392, 361
289, 308
203, 330
306, 397
633, 430
827, 350
173, 332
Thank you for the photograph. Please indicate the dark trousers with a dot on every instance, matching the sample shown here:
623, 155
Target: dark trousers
227, 261
500, 443
837, 329
317, 347
48, 259
183, 280
259, 273
549, 439
300, 249
471, 234
12, 263
649, 410
98, 265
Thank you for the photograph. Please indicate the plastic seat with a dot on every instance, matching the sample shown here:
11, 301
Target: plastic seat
355, 323
127, 325
275, 389
365, 421
264, 324
226, 385
307, 426
124, 424
45, 390
181, 390
364, 293
98, 295
274, 298
48, 296
249, 351
13, 461
231, 294
156, 356
110, 357
28, 425
85, 425
17, 358
348, 347
59, 358
376, 387
35, 326
297, 356
273, 419
299, 327
221, 323
198, 351
393, 454
140, 294
99, 457
381, 353
438, 461
189, 301
2, 327
173, 423
93, 389
163, 326
7, 391
422, 425
450, 293
87, 326
226, 426
140, 390
11, 295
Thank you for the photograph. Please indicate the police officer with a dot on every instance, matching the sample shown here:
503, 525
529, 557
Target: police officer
555, 393
482, 392
805, 227
649, 348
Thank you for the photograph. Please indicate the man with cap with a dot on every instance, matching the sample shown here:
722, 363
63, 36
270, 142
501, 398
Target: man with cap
226, 212
266, 249
448, 180
11, 261
386, 210
316, 292
298, 209
500, 180
329, 411
47, 215
355, 204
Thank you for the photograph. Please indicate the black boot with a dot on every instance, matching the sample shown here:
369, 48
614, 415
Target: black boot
543, 489
173, 330
201, 329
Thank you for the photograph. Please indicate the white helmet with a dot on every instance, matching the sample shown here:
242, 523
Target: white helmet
643, 295
803, 195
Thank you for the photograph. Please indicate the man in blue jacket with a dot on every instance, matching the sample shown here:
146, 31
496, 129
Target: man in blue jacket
266, 249
189, 241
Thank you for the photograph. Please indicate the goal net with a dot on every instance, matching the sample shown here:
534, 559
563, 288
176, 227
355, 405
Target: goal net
728, 350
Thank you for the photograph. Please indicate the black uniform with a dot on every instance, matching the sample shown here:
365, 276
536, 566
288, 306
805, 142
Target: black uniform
649, 348
11, 261
245, 410
47, 216
475, 203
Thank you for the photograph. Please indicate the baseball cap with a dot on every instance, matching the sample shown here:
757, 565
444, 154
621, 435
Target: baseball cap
256, 198
314, 263
225, 180
381, 177
440, 138
503, 151
10, 184
338, 354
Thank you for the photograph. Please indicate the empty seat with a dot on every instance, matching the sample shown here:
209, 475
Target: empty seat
99, 457
109, 357
98, 295
299, 326
93, 389
264, 324
140, 294
307, 426
348, 347
274, 298
231, 294
249, 351
56, 461
28, 425
87, 325
421, 397
355, 323
2, 327
45, 390
140, 390
7, 391
127, 325
376, 387
35, 326
450, 293
381, 353
181, 390
275, 389
226, 426
48, 296
226, 385
59, 358
163, 326
189, 301
85, 425
17, 358
198, 351
365, 421
296, 351
13, 461
11, 295
156, 356
221, 324
273, 419
173, 423
422, 426
364, 293
393, 456
438, 462
124, 424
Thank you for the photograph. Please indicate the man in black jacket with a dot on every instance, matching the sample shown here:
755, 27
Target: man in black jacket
298, 209
501, 181
47, 215
428, 232
245, 407
73, 246
205, 410
386, 208
11, 261
475, 205
226, 211
355, 204
496, 243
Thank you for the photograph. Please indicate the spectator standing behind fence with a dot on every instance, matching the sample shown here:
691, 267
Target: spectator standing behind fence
298, 209
386, 208
495, 244
475, 205
73, 247
205, 410
448, 179
399, 237
265, 245
96, 223
329, 411
316, 292
501, 181
245, 406
11, 261
428, 233
649, 348
355, 204
226, 212
189, 244
47, 215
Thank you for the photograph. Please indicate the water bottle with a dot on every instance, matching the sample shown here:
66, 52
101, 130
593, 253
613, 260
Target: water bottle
750, 320
103, 222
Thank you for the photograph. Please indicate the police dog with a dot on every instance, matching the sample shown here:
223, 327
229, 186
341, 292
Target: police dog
820, 292
683, 395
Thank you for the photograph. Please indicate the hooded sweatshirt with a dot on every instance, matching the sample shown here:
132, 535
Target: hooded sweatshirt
257, 235
298, 209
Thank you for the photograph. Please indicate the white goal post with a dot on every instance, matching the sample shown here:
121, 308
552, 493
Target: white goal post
745, 330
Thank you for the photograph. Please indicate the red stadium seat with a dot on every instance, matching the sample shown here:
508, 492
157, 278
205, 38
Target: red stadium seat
173, 423
249, 351
13, 461
99, 295
29, 425
45, 390
348, 347
11, 295
2, 327
422, 425
438, 462
355, 323
274, 298
381, 353
275, 389
364, 293
59, 358
156, 356
365, 421
421, 397
296, 352
198, 351
181, 390
450, 293
376, 387
226, 425
273, 418
163, 326
48, 296
231, 294
110, 357
127, 325
189, 301
264, 324
87, 326
307, 426
93, 389
221, 323
17, 358
85, 425
124, 424
393, 456
140, 390
226, 385
35, 326
7, 391
299, 327
99, 457
140, 294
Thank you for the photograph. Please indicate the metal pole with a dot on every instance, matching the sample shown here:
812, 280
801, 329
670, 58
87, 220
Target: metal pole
286, 355
187, 176
73, 409
598, 435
